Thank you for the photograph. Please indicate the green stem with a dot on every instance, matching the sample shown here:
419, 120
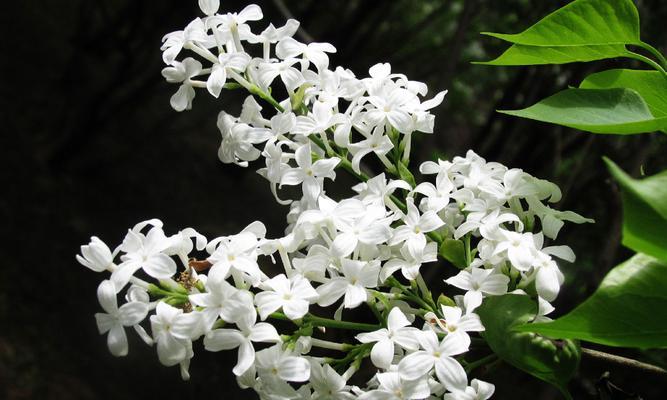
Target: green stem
325, 344
254, 89
329, 323
426, 294
655, 52
159, 292
648, 61
466, 241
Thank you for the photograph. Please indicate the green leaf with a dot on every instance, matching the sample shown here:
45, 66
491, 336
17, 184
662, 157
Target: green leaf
650, 85
627, 310
644, 212
552, 361
618, 111
454, 251
582, 23
519, 54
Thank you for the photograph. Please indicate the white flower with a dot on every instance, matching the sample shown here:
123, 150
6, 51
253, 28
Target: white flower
390, 106
437, 196
409, 263
310, 175
222, 300
313, 52
115, 318
293, 295
520, 247
398, 331
290, 76
395, 387
182, 244
457, 325
209, 7
548, 277
357, 276
376, 143
436, 355
370, 228
173, 331
273, 35
234, 26
327, 383
238, 139
237, 253
174, 42
275, 363
377, 190
144, 252
226, 62
477, 282
478, 390
96, 256
182, 72
249, 331
318, 121
488, 222
515, 183
415, 228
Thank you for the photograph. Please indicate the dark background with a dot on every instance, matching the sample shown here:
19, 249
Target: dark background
90, 147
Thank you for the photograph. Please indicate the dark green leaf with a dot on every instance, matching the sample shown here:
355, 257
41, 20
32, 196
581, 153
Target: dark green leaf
583, 23
627, 309
454, 251
519, 54
644, 212
618, 111
552, 361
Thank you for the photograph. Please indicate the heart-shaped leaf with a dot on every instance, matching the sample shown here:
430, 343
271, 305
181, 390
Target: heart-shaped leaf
626, 310
519, 54
651, 86
617, 111
582, 23
552, 361
644, 211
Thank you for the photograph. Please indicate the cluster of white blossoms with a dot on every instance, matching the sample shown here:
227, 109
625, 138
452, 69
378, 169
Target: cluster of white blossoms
336, 255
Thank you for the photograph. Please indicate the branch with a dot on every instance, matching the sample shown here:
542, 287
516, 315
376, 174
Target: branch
623, 361
285, 11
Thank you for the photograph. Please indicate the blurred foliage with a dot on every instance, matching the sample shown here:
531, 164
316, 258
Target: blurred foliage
92, 147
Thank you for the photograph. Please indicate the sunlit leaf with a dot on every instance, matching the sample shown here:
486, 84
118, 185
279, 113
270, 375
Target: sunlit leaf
616, 111
651, 85
627, 310
582, 23
519, 54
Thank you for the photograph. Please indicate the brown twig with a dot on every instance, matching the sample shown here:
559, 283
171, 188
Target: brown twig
623, 361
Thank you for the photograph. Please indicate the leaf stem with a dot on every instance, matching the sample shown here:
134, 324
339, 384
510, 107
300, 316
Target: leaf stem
648, 61
655, 52
329, 323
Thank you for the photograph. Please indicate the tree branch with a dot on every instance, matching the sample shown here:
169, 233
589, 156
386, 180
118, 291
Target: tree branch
623, 361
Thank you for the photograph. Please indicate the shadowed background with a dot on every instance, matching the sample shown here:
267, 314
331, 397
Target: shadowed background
91, 146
